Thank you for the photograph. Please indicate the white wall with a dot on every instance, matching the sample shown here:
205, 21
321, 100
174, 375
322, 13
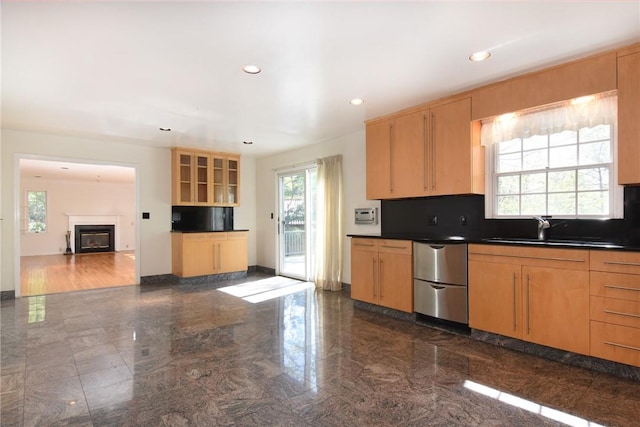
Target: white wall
153, 176
153, 189
79, 198
353, 150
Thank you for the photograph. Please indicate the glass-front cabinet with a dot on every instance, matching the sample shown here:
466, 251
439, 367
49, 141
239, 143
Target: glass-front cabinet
203, 178
226, 189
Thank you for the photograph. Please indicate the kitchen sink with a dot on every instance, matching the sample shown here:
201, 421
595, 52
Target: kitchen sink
553, 242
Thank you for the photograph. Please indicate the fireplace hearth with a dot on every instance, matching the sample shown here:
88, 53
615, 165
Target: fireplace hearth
94, 238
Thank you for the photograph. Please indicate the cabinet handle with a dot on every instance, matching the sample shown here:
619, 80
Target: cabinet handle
380, 279
373, 260
433, 151
528, 328
366, 245
391, 158
633, 264
425, 143
619, 313
219, 258
629, 347
514, 302
624, 288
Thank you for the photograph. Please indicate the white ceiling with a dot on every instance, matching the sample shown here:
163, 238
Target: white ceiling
120, 70
48, 170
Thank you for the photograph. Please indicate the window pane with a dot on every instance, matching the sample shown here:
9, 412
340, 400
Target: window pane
509, 184
593, 179
566, 137
562, 181
510, 146
595, 152
534, 183
593, 203
564, 156
509, 162
562, 204
508, 205
595, 133
37, 211
534, 142
534, 159
534, 204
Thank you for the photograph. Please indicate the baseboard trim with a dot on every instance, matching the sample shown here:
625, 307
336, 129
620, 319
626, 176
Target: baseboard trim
7, 295
159, 279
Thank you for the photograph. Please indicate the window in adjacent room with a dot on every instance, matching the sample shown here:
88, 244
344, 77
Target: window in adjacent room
36, 211
557, 161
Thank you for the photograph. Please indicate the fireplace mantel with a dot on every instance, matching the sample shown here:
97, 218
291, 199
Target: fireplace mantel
94, 219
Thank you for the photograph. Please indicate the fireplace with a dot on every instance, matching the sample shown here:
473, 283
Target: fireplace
94, 238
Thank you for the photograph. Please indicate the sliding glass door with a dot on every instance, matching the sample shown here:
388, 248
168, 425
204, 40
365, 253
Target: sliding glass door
296, 223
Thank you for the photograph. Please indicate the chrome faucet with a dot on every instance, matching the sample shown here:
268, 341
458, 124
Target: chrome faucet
543, 227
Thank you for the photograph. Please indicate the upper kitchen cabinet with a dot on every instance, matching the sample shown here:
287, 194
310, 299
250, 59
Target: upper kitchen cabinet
628, 116
427, 152
226, 179
202, 178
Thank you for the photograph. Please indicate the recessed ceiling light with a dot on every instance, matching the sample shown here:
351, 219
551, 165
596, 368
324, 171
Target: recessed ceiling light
251, 69
64, 167
37, 176
247, 142
165, 129
479, 56
356, 101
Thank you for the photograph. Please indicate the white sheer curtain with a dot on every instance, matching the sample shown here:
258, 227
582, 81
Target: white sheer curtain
572, 115
328, 265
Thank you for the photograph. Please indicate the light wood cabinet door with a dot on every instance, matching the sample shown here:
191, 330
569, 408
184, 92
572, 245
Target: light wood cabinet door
628, 119
556, 308
378, 159
395, 284
202, 189
495, 298
233, 254
451, 169
183, 175
364, 271
198, 255
226, 180
408, 156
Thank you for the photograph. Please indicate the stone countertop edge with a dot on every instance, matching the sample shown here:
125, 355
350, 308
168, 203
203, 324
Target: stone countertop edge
555, 244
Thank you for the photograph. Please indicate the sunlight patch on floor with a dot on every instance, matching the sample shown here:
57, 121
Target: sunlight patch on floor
266, 289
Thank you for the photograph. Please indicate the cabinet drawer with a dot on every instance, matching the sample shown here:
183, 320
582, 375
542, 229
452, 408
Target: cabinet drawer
197, 237
615, 342
366, 245
404, 247
615, 261
569, 259
616, 311
615, 285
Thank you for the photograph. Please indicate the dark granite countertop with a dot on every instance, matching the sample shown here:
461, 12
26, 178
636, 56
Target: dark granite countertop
521, 241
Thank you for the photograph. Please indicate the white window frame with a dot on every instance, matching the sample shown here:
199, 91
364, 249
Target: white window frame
616, 192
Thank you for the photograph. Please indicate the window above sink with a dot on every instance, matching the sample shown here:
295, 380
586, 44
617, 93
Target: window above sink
557, 161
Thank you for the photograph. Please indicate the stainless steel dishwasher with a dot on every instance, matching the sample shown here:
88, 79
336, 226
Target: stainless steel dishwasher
440, 280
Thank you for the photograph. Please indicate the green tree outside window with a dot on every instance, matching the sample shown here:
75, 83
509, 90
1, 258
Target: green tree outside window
37, 215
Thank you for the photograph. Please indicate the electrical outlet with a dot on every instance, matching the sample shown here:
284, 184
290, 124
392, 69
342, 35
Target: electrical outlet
432, 220
463, 220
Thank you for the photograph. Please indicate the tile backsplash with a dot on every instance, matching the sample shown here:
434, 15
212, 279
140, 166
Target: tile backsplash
447, 216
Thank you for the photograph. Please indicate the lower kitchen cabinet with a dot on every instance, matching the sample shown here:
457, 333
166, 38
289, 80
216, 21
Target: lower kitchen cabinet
512, 292
199, 254
382, 272
615, 306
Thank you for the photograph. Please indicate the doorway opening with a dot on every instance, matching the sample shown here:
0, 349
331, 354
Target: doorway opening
296, 222
61, 254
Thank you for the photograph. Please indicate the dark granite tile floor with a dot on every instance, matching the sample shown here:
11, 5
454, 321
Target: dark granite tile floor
195, 355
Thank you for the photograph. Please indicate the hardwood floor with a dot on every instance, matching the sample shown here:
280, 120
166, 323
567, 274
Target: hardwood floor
50, 274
